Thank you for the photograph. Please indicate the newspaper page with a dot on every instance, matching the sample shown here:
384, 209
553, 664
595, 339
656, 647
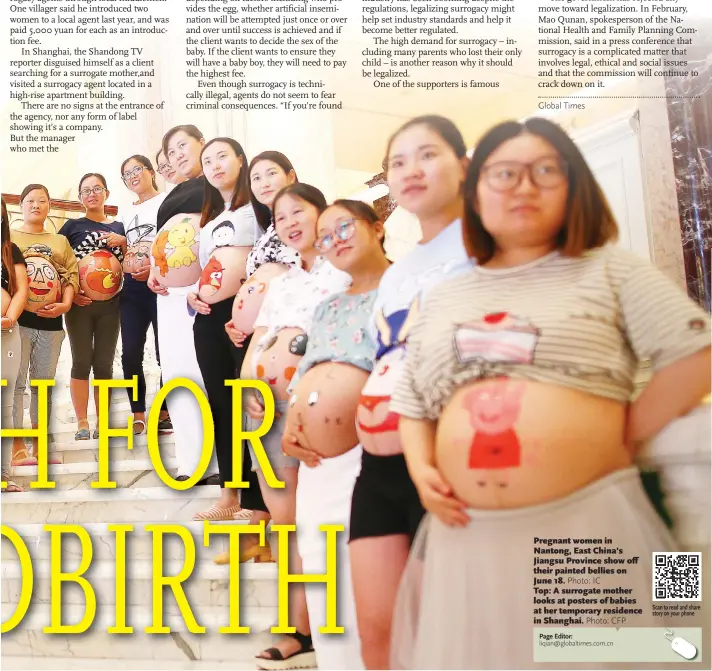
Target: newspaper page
350, 334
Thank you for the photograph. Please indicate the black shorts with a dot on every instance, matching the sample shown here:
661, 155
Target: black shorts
385, 501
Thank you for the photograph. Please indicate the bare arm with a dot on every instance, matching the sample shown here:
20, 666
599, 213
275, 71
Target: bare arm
671, 393
418, 440
19, 299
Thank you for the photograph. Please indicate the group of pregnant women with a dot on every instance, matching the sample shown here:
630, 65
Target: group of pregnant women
446, 408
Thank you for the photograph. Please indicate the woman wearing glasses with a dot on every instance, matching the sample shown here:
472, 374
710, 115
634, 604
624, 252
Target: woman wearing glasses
182, 207
167, 171
93, 322
53, 279
138, 302
426, 166
281, 333
517, 410
321, 419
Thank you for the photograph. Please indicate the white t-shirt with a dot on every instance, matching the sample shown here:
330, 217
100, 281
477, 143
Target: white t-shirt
292, 298
139, 220
231, 228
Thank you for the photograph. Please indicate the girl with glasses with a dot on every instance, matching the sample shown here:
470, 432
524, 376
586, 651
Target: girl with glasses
321, 417
138, 302
53, 278
93, 322
426, 165
281, 333
14, 296
227, 233
167, 171
517, 405
178, 220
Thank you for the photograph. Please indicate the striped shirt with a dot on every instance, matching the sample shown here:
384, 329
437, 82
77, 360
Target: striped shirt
583, 323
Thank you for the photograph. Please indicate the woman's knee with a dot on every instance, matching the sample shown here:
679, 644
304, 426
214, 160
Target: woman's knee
81, 368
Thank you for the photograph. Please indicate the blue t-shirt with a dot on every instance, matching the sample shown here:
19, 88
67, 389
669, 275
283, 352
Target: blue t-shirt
83, 235
406, 283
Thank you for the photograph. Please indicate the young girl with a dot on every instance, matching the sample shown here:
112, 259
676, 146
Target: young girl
426, 169
516, 410
321, 420
52, 270
182, 146
94, 320
227, 234
14, 296
281, 332
138, 302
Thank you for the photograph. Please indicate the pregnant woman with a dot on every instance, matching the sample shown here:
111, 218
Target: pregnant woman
53, 280
426, 169
321, 420
175, 270
516, 403
281, 332
14, 296
94, 320
227, 234
138, 302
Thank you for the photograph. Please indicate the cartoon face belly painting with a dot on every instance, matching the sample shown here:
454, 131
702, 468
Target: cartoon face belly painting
138, 247
493, 411
251, 295
43, 279
277, 363
377, 426
223, 274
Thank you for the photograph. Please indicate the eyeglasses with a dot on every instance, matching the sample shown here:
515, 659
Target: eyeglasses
87, 192
546, 173
132, 173
344, 231
164, 167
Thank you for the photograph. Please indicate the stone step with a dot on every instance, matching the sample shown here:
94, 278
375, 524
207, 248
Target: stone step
28, 638
10, 663
107, 505
88, 450
139, 542
59, 439
207, 587
80, 475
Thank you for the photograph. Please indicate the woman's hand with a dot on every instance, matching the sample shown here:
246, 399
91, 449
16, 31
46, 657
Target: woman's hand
142, 275
437, 497
56, 309
236, 337
80, 299
254, 408
155, 286
7, 323
197, 304
292, 448
113, 240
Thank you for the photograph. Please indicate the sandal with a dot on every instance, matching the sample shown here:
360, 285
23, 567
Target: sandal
11, 486
82, 434
143, 427
96, 434
304, 658
217, 514
22, 457
165, 426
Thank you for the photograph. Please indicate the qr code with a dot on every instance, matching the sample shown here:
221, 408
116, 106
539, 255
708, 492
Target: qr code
677, 576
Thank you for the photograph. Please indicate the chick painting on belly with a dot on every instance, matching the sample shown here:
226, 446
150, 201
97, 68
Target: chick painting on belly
495, 447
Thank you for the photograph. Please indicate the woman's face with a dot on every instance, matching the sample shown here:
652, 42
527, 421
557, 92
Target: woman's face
35, 207
267, 179
166, 170
524, 214
295, 222
184, 154
424, 174
93, 193
354, 242
137, 177
221, 166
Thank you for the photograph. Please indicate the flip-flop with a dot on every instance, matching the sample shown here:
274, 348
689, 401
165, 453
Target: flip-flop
143, 427
22, 457
82, 434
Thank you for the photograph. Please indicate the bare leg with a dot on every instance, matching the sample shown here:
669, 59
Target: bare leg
377, 565
79, 390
